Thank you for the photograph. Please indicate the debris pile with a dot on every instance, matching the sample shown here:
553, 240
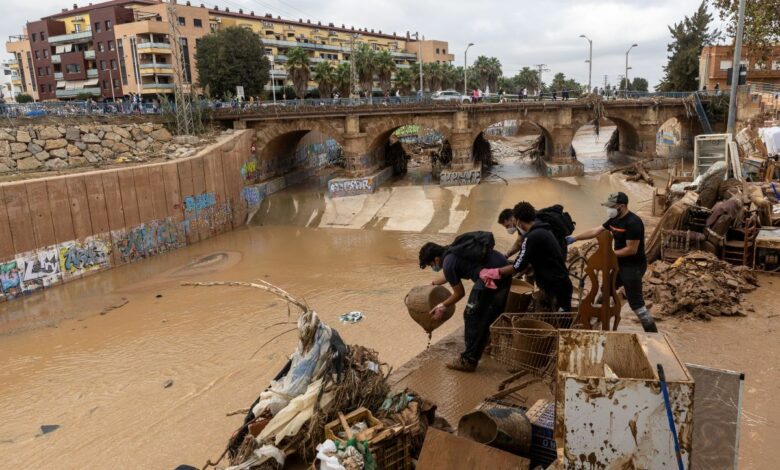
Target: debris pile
636, 172
700, 286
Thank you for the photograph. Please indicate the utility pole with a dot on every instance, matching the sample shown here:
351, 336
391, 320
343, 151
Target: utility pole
540, 68
731, 125
352, 65
590, 62
629, 50
466, 70
184, 122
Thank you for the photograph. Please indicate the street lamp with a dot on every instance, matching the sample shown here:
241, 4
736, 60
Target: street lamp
419, 62
626, 76
590, 61
466, 70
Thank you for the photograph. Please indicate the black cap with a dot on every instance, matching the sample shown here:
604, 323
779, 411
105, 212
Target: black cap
616, 198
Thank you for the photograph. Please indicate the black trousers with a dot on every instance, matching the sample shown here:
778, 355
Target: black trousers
562, 293
630, 277
483, 308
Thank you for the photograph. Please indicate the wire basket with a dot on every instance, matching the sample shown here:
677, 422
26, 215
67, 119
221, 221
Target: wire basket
393, 453
529, 341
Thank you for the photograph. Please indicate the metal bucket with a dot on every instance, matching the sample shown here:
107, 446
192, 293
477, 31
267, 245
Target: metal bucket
498, 426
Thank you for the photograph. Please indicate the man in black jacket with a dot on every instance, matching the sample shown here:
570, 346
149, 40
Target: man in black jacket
541, 251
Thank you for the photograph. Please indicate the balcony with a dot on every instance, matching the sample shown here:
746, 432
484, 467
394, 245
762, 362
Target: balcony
58, 76
74, 38
156, 66
404, 55
92, 73
156, 69
56, 59
158, 47
89, 55
278, 74
11, 63
280, 59
94, 91
165, 87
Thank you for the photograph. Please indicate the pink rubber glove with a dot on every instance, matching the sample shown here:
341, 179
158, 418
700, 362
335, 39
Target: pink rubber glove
438, 312
488, 276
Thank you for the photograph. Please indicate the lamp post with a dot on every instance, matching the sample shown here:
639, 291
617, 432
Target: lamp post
466, 70
419, 63
626, 76
590, 61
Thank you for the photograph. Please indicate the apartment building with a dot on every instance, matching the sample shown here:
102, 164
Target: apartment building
715, 61
121, 47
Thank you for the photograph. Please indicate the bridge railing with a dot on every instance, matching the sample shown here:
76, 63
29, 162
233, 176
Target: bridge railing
73, 108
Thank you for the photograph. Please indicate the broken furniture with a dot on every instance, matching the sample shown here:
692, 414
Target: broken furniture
739, 246
602, 270
608, 402
390, 447
677, 243
767, 250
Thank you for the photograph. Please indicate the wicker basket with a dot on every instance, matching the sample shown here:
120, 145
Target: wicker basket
391, 453
528, 341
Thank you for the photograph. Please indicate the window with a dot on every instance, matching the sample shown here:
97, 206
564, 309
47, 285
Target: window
45, 54
444, 51
34, 37
43, 36
105, 84
97, 27
776, 65
182, 21
101, 47
110, 45
437, 50
116, 83
40, 70
113, 64
725, 64
37, 55
73, 68
47, 70
197, 22
76, 28
102, 65
108, 25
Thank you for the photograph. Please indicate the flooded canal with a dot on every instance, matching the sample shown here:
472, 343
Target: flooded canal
93, 356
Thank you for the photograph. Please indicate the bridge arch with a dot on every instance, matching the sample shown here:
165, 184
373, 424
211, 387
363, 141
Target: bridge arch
385, 147
539, 144
283, 149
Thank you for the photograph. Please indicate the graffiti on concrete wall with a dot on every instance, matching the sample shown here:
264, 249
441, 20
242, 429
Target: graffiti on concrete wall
147, 239
11, 284
457, 178
206, 212
249, 171
341, 187
41, 268
318, 154
252, 196
78, 258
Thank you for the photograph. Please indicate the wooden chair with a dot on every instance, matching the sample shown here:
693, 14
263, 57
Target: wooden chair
602, 271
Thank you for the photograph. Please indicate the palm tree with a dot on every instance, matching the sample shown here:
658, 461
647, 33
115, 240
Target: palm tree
298, 70
487, 70
325, 76
384, 66
433, 76
494, 71
404, 81
343, 79
365, 66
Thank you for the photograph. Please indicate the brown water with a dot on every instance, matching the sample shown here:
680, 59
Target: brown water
101, 377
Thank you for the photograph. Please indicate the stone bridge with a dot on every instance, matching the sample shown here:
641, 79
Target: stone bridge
364, 131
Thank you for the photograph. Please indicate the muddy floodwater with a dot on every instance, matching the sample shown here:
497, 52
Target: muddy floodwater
138, 371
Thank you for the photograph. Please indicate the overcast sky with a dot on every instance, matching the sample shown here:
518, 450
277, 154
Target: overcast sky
518, 33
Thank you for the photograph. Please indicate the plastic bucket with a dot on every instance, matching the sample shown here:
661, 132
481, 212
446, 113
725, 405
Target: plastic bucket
498, 426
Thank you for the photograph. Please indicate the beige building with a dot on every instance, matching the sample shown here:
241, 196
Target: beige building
121, 47
715, 61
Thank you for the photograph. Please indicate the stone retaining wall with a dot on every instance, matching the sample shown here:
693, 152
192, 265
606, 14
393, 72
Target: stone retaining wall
49, 147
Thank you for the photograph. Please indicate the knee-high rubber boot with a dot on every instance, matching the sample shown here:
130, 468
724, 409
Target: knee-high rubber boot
648, 324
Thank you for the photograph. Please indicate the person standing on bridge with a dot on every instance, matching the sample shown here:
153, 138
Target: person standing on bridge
628, 230
463, 259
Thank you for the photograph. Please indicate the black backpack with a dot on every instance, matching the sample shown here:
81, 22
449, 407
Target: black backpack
472, 246
561, 223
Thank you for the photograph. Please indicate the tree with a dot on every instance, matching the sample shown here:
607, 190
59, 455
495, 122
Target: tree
762, 24
432, 74
298, 70
22, 98
325, 76
639, 84
404, 81
457, 78
365, 66
231, 57
527, 78
487, 71
688, 38
559, 82
343, 79
450, 76
385, 66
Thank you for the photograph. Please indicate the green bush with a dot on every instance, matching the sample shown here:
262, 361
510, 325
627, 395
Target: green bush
24, 98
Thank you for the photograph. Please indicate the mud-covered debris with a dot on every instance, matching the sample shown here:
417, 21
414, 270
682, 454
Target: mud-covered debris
698, 285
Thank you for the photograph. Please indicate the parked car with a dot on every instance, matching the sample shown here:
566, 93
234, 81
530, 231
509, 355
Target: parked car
450, 95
